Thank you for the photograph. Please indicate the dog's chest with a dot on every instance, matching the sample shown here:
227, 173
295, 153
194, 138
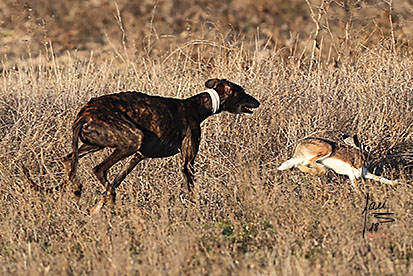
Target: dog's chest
162, 143
164, 131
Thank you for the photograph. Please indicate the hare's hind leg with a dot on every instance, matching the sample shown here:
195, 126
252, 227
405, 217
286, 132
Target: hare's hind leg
316, 168
290, 163
313, 169
355, 184
380, 179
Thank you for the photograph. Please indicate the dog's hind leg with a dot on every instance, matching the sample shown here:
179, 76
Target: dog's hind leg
83, 150
102, 169
124, 172
110, 190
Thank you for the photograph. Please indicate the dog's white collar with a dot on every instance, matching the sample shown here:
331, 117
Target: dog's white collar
214, 98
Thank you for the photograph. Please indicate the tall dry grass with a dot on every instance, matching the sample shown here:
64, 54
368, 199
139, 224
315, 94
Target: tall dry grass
248, 218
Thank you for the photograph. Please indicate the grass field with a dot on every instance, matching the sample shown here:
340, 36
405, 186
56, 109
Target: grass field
248, 218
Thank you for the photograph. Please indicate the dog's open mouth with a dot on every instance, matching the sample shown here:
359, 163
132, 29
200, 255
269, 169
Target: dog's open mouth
247, 109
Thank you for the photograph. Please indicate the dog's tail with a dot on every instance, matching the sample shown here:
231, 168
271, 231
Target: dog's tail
290, 163
36, 186
75, 144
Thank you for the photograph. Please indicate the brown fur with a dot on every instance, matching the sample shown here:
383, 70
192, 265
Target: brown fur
311, 155
316, 147
319, 147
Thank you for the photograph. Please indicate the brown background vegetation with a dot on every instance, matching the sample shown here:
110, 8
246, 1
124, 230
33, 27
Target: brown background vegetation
248, 218
144, 27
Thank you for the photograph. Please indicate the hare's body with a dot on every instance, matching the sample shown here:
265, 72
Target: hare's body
317, 155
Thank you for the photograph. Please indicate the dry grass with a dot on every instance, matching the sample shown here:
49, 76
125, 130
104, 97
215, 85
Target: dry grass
248, 218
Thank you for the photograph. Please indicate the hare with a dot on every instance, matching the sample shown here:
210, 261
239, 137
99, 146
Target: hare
317, 155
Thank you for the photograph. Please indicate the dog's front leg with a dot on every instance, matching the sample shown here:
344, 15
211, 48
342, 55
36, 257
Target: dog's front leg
189, 149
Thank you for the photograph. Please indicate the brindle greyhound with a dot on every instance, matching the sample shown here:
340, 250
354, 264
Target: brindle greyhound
142, 126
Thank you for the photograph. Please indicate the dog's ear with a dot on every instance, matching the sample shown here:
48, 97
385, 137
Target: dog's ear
224, 86
212, 83
227, 86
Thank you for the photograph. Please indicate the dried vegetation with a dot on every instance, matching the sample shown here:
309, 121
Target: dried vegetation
248, 218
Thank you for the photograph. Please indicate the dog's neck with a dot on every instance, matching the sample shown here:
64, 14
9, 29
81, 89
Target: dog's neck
215, 101
207, 103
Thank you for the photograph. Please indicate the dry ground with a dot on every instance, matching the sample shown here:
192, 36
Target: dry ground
248, 218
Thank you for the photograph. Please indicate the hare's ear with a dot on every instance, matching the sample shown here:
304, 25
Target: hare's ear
348, 140
356, 141
352, 141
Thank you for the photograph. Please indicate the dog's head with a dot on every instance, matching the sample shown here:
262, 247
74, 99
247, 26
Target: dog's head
232, 96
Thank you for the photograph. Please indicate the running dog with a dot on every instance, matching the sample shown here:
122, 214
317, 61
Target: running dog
143, 126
